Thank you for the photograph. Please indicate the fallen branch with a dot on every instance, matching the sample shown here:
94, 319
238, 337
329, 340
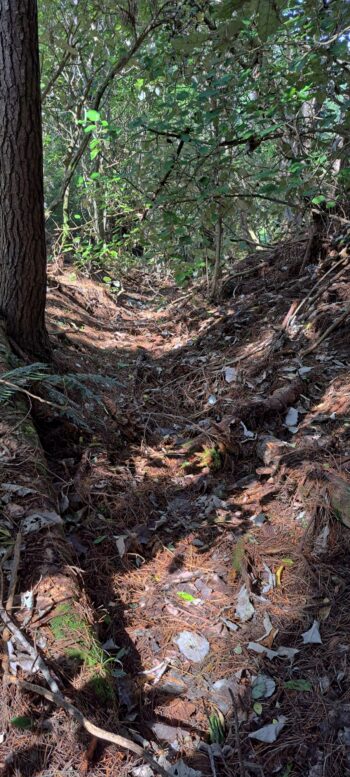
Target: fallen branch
328, 331
316, 286
91, 728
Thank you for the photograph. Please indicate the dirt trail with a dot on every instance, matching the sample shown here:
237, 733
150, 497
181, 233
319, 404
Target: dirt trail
205, 491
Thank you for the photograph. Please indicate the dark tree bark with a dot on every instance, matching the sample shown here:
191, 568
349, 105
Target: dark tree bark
22, 226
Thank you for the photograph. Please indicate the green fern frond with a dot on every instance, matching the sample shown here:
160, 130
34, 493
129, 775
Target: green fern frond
21, 377
57, 388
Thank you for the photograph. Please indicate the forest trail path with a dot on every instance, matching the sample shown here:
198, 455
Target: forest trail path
207, 494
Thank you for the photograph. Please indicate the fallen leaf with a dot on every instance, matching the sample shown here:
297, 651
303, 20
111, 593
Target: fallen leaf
172, 684
142, 771
298, 685
270, 732
291, 418
193, 646
170, 734
281, 652
257, 707
180, 769
120, 543
13, 488
40, 519
258, 519
244, 608
321, 541
267, 626
230, 374
156, 672
247, 433
312, 636
263, 687
220, 693
27, 600
229, 624
278, 574
186, 597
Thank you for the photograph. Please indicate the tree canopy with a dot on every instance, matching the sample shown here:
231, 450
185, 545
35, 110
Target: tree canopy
161, 118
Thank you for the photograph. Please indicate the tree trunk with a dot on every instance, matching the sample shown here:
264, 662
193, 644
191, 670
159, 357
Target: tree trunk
65, 218
217, 266
22, 227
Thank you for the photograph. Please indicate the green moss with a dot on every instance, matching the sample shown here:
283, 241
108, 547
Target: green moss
84, 648
66, 624
102, 688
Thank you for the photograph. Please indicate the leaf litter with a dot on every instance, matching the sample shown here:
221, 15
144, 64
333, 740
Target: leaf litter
251, 624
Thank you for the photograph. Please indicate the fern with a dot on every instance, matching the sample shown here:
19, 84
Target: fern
20, 378
57, 388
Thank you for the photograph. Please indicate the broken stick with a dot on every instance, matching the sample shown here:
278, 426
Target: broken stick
95, 731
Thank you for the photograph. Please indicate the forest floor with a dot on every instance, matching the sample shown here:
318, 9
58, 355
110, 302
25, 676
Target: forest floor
206, 498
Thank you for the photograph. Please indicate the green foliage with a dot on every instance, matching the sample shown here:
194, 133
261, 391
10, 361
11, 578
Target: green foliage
58, 389
217, 728
82, 645
237, 108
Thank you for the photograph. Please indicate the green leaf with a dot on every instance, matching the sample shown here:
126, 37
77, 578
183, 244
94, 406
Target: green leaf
93, 115
98, 540
185, 596
217, 728
94, 153
257, 707
22, 722
298, 685
317, 200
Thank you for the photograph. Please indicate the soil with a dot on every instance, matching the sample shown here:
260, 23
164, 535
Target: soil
196, 500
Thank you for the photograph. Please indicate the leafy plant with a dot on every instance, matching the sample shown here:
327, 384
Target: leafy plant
217, 728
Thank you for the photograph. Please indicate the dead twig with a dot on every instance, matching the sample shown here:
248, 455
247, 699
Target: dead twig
24, 642
95, 731
14, 572
242, 770
29, 394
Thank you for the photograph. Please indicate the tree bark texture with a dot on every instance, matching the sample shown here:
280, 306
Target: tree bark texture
22, 226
